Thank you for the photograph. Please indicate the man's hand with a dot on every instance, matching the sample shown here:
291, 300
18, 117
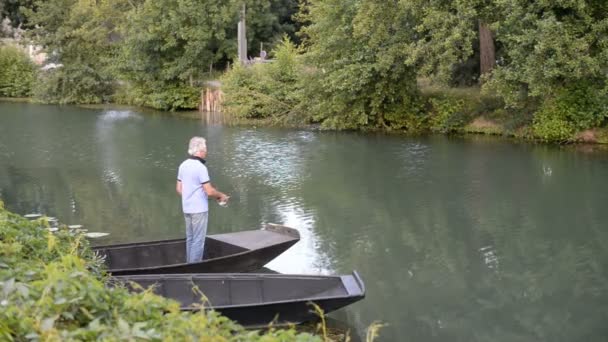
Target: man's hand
213, 193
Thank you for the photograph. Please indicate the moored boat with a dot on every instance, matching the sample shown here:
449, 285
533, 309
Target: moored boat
243, 251
255, 300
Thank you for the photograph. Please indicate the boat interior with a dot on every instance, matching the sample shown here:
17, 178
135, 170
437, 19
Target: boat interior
225, 290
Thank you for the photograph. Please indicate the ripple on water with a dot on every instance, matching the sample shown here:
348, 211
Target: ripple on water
413, 157
116, 115
276, 162
111, 176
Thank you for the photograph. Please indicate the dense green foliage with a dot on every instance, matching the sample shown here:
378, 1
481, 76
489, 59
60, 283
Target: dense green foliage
149, 53
357, 49
53, 289
547, 52
267, 91
13, 10
77, 34
358, 64
364, 60
17, 72
573, 108
166, 44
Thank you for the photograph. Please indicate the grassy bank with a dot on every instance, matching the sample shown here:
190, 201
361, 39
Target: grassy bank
52, 288
470, 111
446, 110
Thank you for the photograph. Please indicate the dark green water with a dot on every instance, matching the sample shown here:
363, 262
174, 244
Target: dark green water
457, 239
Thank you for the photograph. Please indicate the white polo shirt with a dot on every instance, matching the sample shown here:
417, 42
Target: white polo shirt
192, 173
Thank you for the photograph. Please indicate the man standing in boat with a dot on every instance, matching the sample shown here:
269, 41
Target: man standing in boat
194, 187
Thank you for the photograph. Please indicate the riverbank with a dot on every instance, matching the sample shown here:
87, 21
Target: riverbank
466, 111
486, 115
292, 92
55, 289
454, 111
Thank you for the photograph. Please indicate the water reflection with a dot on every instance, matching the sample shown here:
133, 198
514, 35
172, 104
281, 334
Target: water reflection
112, 116
259, 154
307, 256
109, 143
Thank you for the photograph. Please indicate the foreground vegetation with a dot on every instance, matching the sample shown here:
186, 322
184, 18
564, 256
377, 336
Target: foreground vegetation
538, 68
53, 289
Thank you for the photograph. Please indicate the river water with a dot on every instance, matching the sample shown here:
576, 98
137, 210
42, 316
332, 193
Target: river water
475, 239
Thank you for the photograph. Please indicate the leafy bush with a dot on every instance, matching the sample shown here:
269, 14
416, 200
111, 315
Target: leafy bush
573, 108
73, 84
448, 114
360, 57
163, 97
549, 125
266, 91
17, 72
53, 289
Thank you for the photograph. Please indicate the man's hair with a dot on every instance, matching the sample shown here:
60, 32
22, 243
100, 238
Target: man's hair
197, 144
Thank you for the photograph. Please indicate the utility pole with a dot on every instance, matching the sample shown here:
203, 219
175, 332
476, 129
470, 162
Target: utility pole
242, 37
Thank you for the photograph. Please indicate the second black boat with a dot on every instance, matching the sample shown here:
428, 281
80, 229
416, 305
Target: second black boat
255, 300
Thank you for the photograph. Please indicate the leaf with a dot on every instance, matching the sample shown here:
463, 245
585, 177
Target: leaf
32, 336
60, 301
8, 287
67, 315
123, 326
51, 241
23, 290
94, 325
47, 324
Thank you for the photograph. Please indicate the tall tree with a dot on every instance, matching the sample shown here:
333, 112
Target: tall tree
446, 32
487, 53
358, 48
79, 35
549, 45
168, 44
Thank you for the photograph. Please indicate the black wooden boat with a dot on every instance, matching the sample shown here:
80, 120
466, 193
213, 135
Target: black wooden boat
255, 300
243, 251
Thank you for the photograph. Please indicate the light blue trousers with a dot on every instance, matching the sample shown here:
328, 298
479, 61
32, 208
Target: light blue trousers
196, 229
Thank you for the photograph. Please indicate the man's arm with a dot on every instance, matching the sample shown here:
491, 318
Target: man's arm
213, 193
178, 187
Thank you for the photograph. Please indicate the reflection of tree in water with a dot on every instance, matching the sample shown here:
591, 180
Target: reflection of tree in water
475, 251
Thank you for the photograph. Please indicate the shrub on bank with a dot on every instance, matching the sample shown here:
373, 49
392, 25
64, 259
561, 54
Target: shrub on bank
162, 97
53, 289
572, 108
17, 72
73, 84
269, 91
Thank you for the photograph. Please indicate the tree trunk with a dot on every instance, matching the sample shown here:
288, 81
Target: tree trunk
487, 54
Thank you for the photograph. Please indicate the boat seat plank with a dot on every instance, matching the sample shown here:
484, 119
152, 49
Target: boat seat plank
253, 239
351, 285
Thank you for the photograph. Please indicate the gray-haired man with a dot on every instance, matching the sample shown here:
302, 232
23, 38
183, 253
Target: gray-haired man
194, 186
